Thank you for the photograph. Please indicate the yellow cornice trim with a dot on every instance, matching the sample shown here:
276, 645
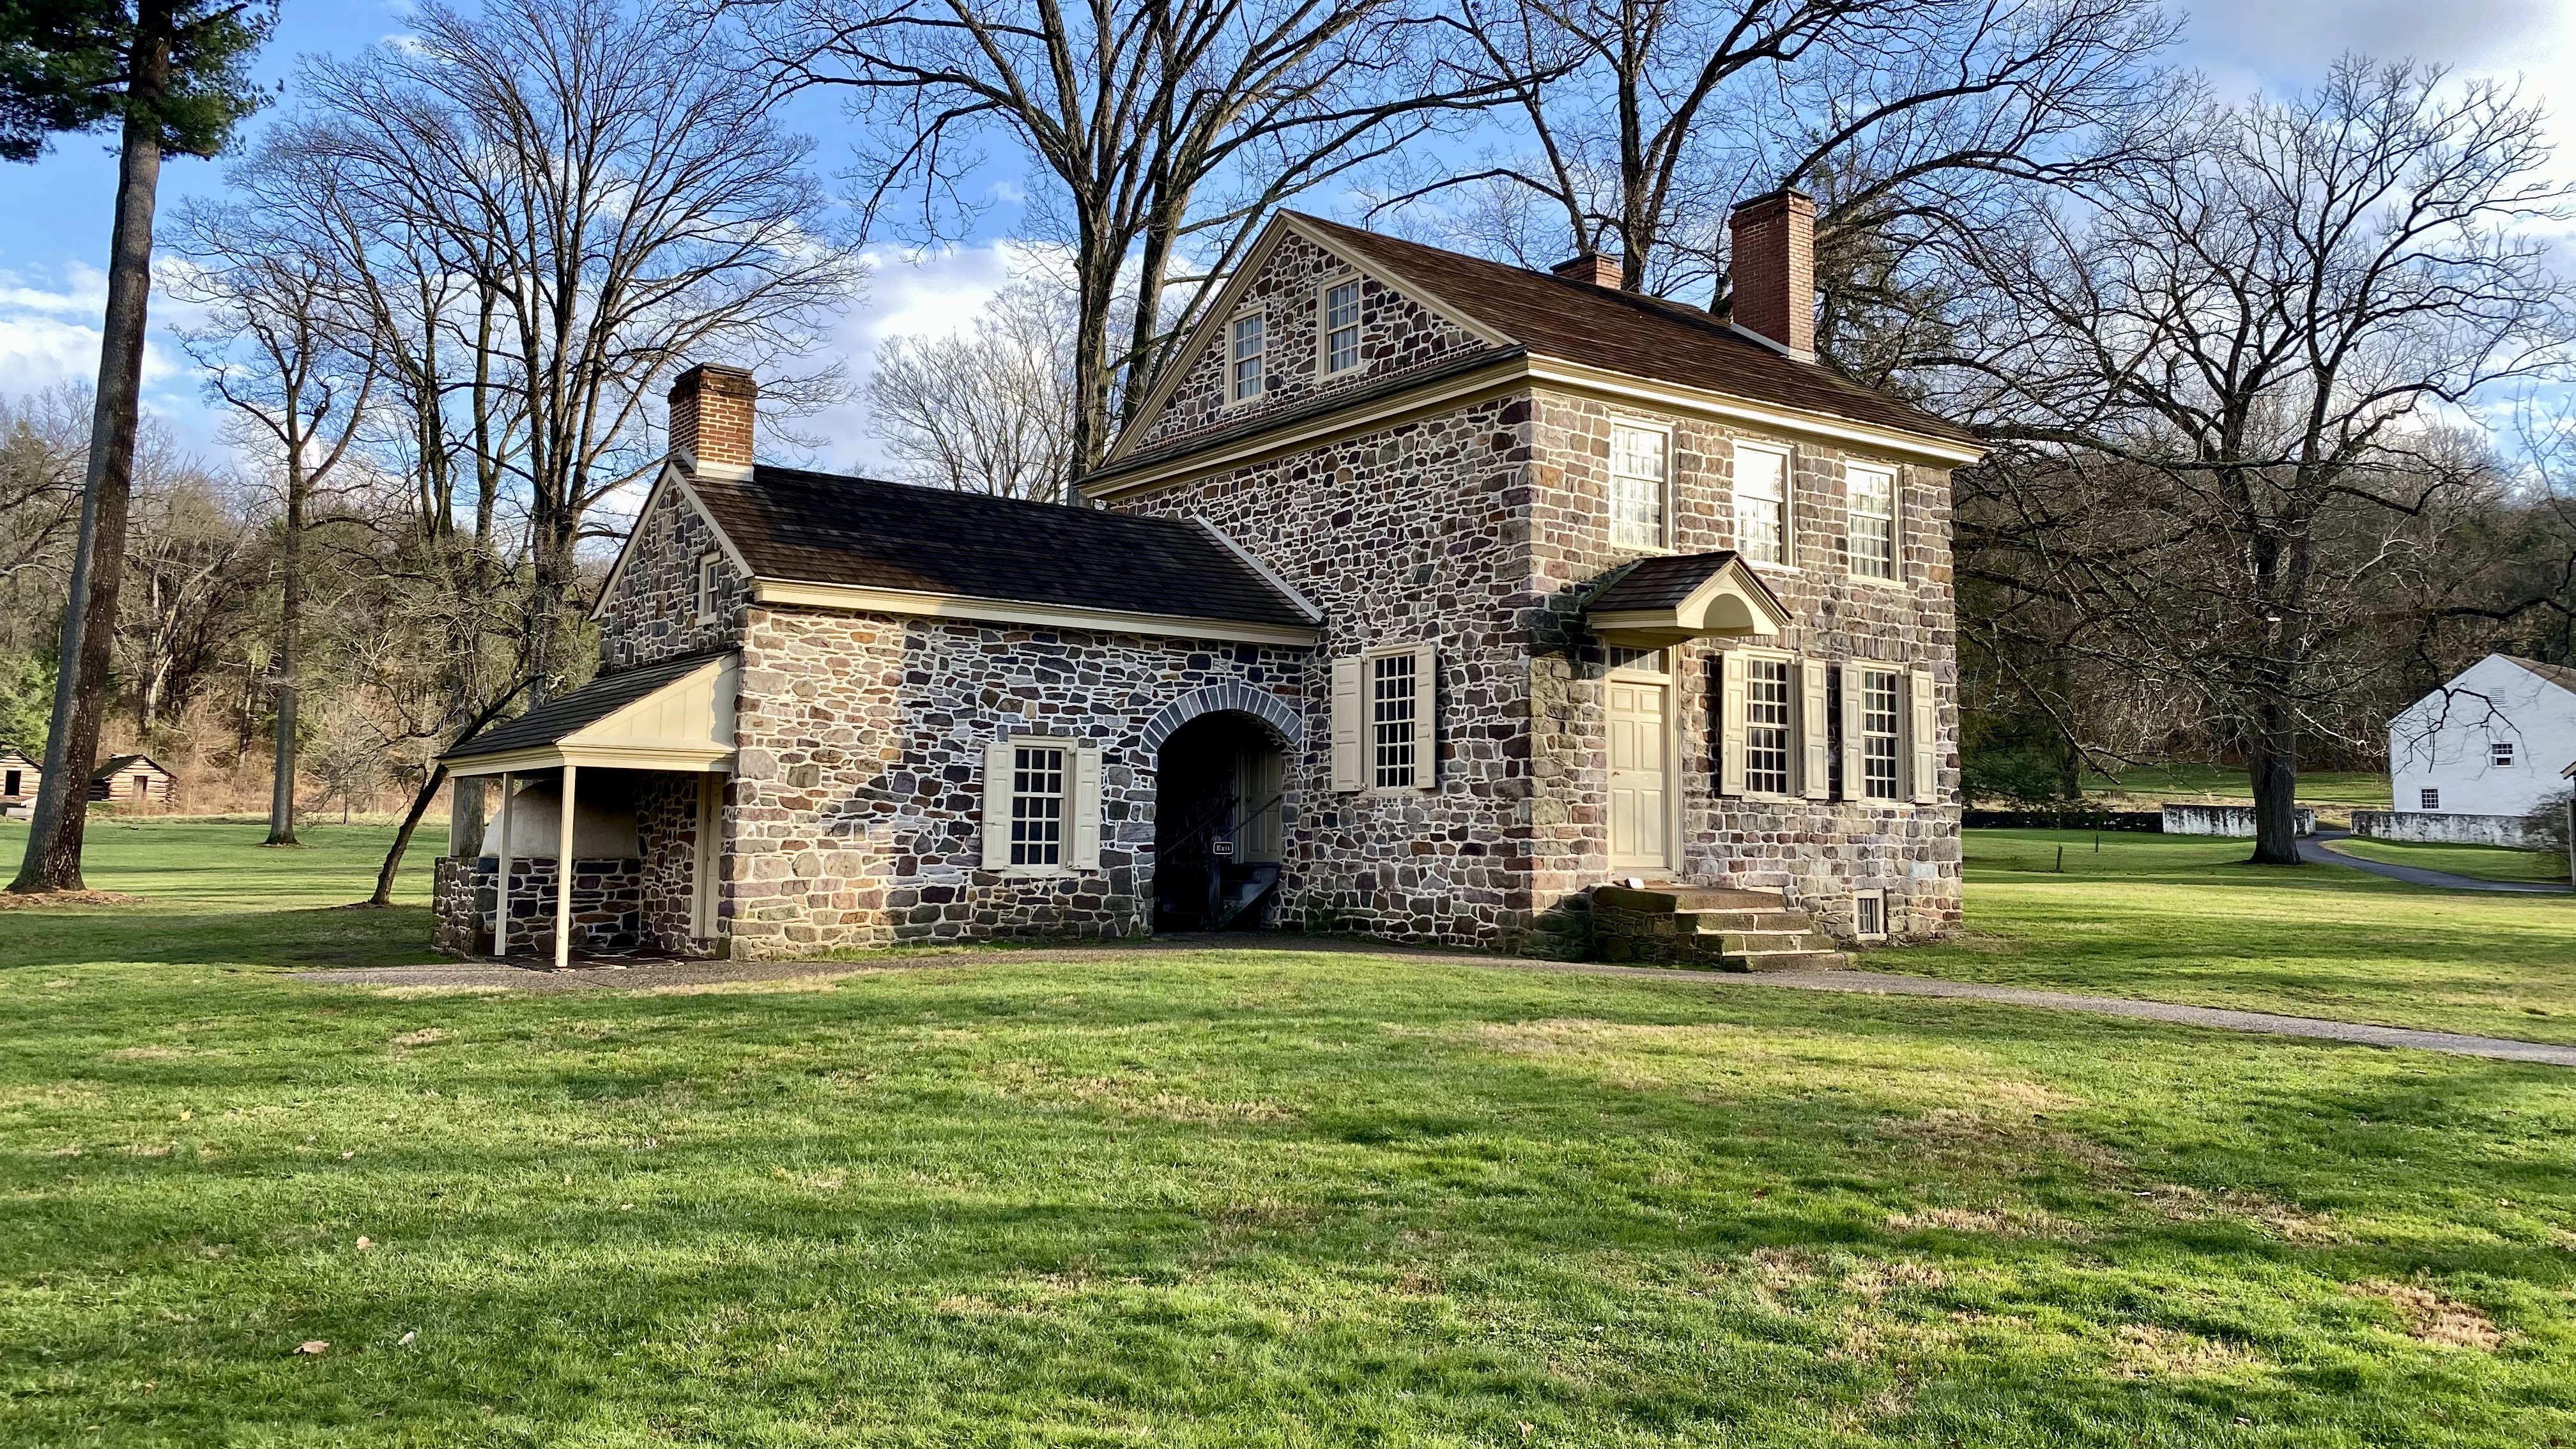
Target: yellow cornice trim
915, 604
549, 757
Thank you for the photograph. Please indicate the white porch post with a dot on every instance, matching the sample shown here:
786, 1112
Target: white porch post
563, 872
501, 910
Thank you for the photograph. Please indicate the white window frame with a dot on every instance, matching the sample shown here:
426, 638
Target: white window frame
1864, 927
1663, 433
707, 577
1078, 826
1355, 722
1852, 516
1858, 679
1735, 745
2500, 754
2429, 798
1788, 511
1235, 396
1324, 328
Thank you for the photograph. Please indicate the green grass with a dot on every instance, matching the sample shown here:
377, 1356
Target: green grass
1222, 1199
2346, 789
2183, 918
2484, 862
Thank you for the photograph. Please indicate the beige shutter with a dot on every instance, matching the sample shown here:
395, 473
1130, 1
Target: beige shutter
1426, 716
1927, 779
1730, 723
997, 804
1086, 808
1854, 786
1813, 731
1350, 713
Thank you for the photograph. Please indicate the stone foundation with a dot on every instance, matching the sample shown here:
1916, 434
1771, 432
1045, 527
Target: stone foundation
607, 905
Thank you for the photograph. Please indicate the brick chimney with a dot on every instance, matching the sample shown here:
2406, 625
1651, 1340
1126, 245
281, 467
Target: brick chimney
1773, 270
1591, 267
711, 420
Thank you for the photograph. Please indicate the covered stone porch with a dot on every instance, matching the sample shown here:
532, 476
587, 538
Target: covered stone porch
625, 780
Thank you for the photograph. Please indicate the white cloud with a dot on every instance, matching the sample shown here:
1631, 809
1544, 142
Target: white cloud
912, 292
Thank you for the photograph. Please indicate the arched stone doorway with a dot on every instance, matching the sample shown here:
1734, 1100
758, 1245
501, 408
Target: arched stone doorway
1220, 807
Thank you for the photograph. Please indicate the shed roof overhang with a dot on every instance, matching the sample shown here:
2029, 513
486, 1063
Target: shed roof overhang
1658, 602
673, 716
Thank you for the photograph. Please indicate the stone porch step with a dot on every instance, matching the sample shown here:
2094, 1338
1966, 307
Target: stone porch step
1710, 927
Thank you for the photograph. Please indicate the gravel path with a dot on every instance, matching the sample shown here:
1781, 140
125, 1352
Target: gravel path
2312, 849
685, 975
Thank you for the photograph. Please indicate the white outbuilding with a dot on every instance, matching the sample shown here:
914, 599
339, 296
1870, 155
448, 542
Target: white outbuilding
2493, 741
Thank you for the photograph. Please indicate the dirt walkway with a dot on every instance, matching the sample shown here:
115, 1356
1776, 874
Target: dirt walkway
653, 975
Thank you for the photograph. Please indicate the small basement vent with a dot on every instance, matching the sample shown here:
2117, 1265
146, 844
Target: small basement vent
1869, 915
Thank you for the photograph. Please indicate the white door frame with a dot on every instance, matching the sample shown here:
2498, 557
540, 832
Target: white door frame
1669, 680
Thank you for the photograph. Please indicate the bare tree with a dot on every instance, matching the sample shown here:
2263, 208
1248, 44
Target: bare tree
1638, 123
1166, 132
988, 410
279, 348
620, 197
2224, 382
189, 583
44, 438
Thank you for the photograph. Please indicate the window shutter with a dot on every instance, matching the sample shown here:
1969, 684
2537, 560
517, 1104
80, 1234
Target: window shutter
1854, 787
1349, 714
1730, 723
1426, 716
997, 805
1813, 731
1086, 808
1927, 779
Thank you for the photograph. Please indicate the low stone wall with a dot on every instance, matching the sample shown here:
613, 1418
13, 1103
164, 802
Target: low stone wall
2235, 820
2146, 821
607, 905
2443, 827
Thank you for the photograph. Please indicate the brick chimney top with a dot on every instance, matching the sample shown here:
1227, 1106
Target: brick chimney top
712, 409
1772, 267
1591, 267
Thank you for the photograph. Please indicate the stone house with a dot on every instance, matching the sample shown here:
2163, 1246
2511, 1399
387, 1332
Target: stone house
2483, 759
1424, 597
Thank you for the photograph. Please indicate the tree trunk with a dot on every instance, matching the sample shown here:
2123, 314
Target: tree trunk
290, 624
2273, 763
53, 861
392, 868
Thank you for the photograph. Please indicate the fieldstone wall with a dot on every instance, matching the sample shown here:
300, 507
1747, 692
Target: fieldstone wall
1411, 533
652, 612
607, 899
1397, 335
666, 829
858, 804
2542, 829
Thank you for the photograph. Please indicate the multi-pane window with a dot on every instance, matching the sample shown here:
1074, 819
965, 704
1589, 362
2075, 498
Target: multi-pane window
1761, 503
1342, 327
706, 587
1393, 711
1880, 701
2500, 754
1873, 521
1869, 914
1636, 487
1246, 358
1639, 661
1037, 805
1766, 727
2430, 799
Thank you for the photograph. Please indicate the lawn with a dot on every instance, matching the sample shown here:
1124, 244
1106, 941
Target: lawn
2337, 790
1252, 1198
2485, 862
2183, 918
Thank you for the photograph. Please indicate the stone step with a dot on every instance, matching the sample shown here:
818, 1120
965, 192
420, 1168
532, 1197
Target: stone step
1737, 943
1774, 919
1802, 960
1718, 898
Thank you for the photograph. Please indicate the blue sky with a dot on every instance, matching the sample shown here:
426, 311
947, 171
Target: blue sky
54, 213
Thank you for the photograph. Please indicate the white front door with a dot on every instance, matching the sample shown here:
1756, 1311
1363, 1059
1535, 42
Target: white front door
1640, 775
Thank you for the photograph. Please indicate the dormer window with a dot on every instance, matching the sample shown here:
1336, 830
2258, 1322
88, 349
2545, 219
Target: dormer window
1341, 328
1245, 354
